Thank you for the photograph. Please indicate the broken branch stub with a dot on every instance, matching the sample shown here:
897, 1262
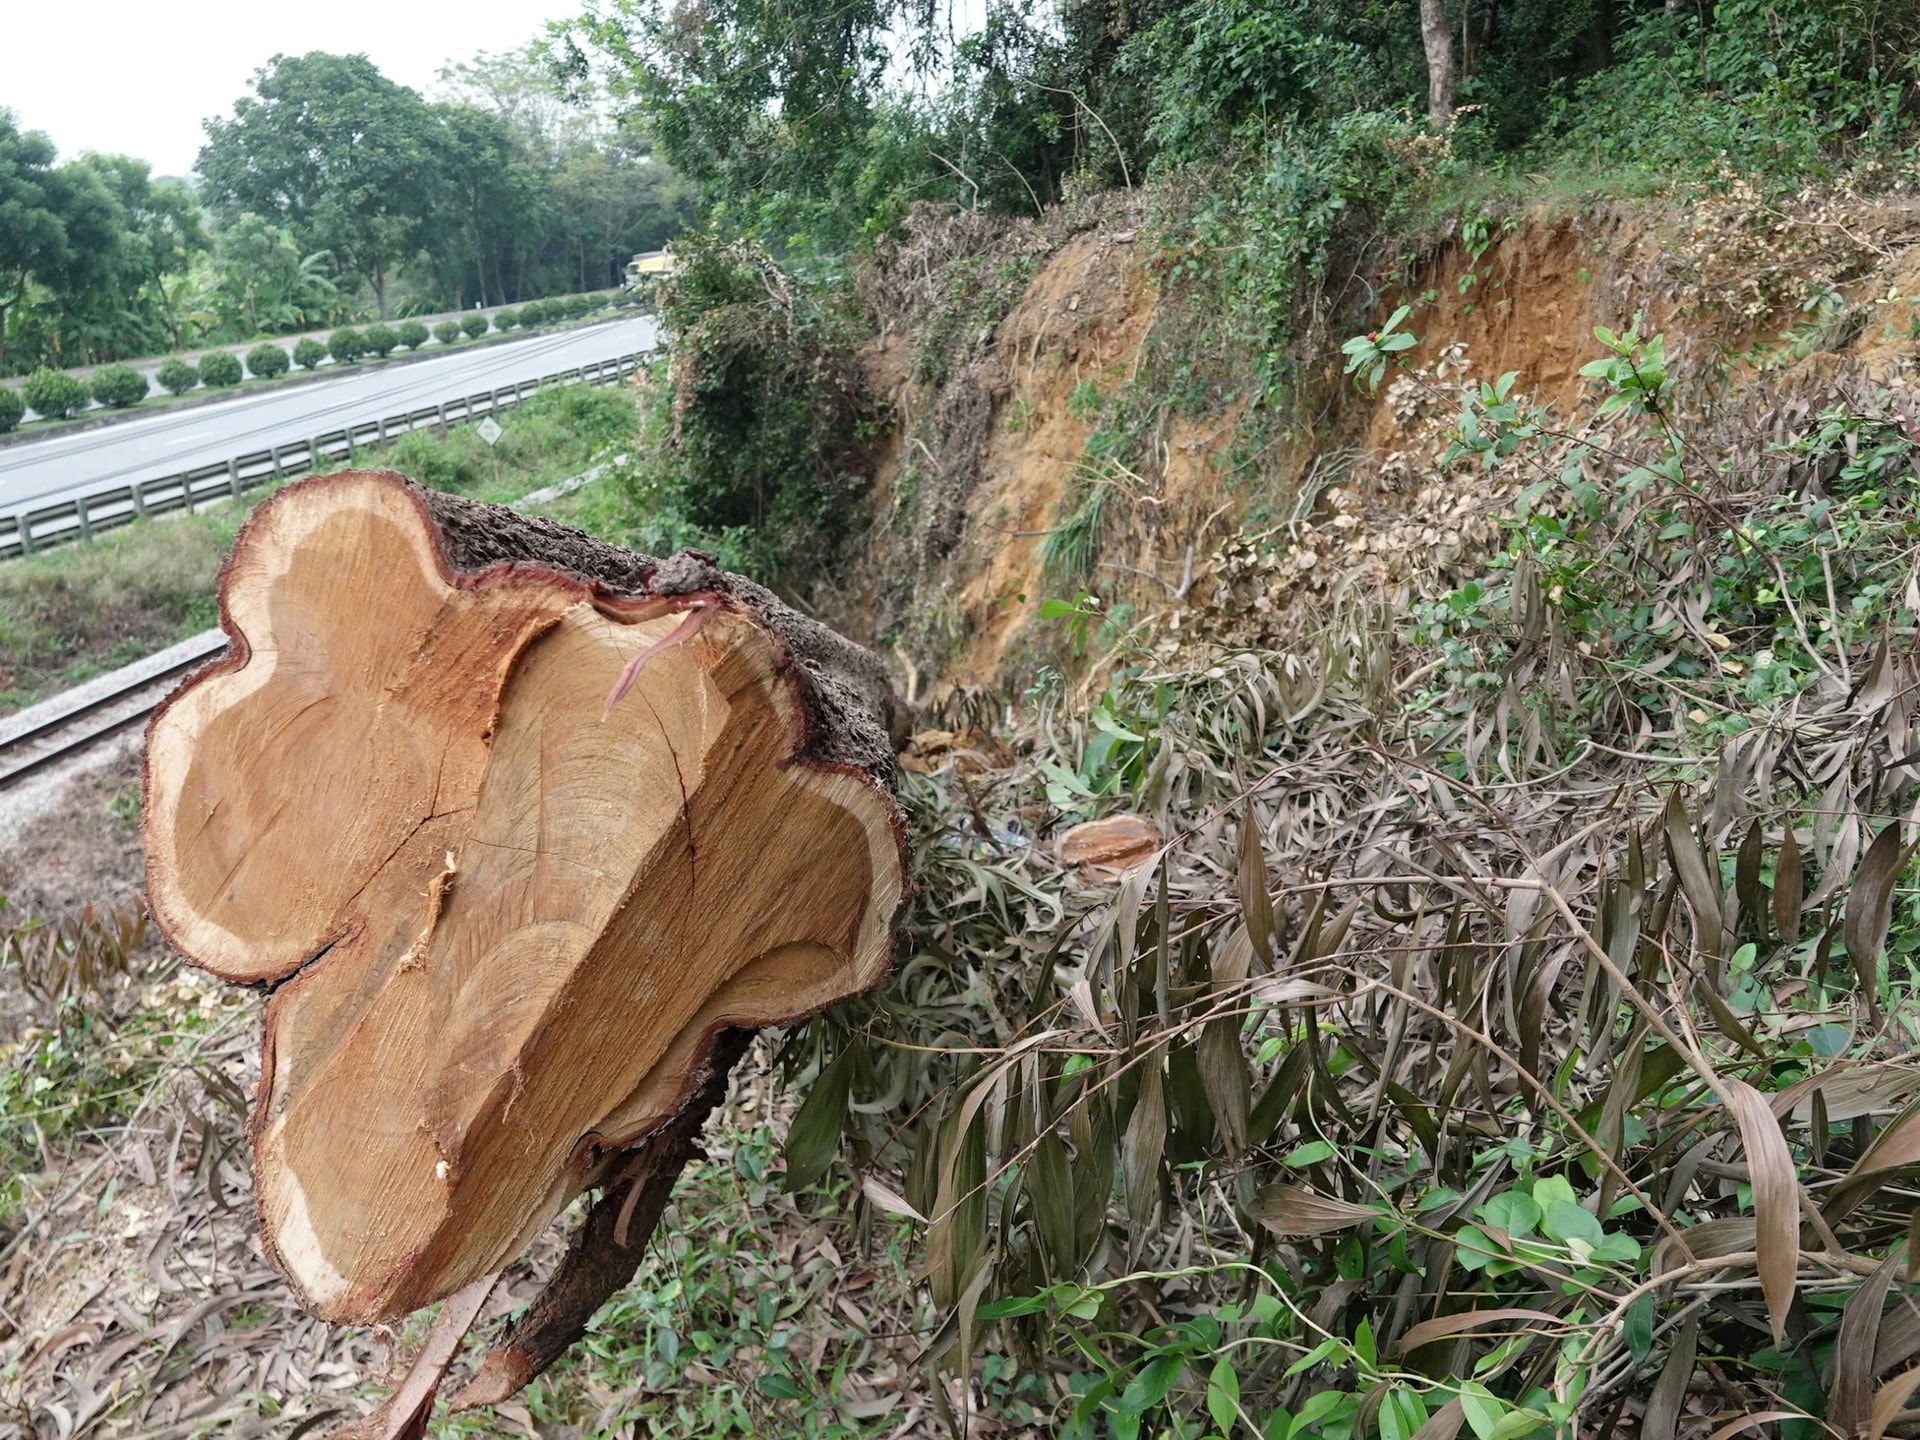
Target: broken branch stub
503, 918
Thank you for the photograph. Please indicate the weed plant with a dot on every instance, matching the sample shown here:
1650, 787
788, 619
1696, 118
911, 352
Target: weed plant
1524, 1006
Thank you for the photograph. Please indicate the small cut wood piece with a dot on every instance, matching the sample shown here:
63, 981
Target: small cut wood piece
516, 824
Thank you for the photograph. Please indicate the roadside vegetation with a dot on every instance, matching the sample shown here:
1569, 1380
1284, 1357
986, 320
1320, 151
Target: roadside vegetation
79, 609
494, 191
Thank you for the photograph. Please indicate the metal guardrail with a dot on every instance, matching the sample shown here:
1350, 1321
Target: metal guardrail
81, 519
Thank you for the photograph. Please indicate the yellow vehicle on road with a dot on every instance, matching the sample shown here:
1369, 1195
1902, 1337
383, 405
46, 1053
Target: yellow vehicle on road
645, 271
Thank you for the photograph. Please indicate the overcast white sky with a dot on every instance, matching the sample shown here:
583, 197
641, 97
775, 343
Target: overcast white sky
137, 77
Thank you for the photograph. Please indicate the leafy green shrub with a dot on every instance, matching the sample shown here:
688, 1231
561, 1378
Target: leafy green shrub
506, 319
177, 376
1777, 89
220, 369
447, 331
308, 353
54, 394
455, 463
12, 407
346, 345
767, 403
411, 333
534, 314
118, 386
475, 325
267, 361
380, 339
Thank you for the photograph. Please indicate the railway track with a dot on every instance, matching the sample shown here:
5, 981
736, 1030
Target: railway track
58, 729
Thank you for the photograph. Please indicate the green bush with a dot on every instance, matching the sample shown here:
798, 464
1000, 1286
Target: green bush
412, 334
447, 331
767, 403
506, 319
346, 345
457, 462
54, 394
534, 314
380, 339
308, 354
12, 407
178, 376
267, 361
474, 325
1774, 88
118, 386
219, 369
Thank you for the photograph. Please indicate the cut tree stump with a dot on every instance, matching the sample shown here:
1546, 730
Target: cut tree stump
519, 827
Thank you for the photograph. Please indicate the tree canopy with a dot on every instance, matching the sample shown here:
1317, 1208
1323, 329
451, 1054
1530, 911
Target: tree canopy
329, 193
341, 155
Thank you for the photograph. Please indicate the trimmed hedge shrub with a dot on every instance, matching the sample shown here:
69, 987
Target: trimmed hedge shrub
412, 333
118, 386
267, 361
380, 339
346, 345
178, 376
505, 319
54, 394
308, 354
12, 407
534, 314
220, 369
474, 325
447, 331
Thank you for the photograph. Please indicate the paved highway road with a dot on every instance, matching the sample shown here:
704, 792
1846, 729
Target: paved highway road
35, 473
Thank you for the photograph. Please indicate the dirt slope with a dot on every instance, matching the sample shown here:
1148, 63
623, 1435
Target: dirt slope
1768, 309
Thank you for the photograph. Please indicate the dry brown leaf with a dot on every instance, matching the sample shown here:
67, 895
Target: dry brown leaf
1759, 1417
1469, 1322
1294, 1210
1256, 905
1662, 1416
1696, 879
1870, 908
1850, 1397
1888, 1402
1776, 1200
1444, 1423
1789, 889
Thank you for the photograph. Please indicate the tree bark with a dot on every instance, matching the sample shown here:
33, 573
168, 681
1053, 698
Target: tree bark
1438, 40
517, 826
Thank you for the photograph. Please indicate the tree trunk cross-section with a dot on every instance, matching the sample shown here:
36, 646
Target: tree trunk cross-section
503, 921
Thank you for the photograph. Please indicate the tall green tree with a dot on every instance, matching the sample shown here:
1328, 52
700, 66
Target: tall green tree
760, 103
60, 229
163, 231
333, 149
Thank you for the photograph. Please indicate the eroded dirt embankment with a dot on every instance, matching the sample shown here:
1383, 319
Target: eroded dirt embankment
1028, 364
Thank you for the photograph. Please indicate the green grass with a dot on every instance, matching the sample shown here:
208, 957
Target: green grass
68, 614
742, 1319
72, 612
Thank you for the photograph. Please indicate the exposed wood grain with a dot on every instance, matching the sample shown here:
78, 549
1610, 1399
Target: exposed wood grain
503, 922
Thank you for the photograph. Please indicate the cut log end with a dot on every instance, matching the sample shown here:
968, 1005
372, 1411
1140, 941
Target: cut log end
503, 918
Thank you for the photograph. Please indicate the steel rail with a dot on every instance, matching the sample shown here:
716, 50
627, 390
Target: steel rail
56, 729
